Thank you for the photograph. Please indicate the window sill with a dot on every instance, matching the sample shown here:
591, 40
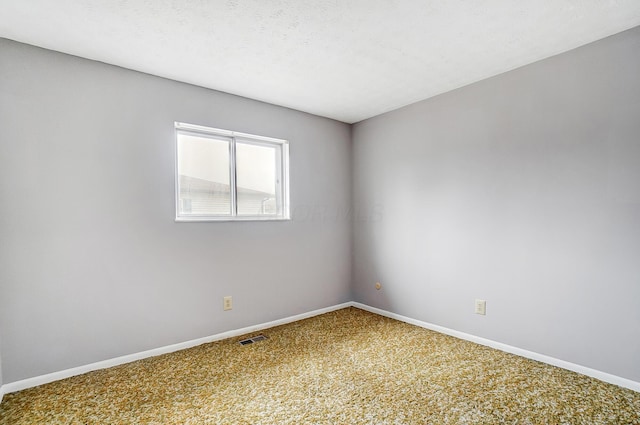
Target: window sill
228, 219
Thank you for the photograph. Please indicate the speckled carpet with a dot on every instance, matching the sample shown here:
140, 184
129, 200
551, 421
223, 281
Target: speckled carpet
344, 367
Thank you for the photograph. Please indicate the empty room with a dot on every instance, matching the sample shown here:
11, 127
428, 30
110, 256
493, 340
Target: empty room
319, 212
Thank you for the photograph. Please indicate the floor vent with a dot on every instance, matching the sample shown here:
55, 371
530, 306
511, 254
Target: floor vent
251, 340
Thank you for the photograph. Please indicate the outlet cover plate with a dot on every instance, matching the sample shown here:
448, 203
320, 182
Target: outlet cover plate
227, 303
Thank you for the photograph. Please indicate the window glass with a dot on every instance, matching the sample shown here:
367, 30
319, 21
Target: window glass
256, 174
203, 180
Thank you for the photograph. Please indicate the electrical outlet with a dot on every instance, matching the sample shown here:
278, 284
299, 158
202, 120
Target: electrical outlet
227, 303
481, 307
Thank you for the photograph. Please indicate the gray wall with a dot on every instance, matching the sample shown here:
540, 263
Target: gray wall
524, 190
93, 265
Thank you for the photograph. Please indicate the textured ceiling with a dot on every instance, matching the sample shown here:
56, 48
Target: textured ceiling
348, 60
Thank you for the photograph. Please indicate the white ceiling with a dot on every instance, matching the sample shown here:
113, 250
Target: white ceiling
348, 60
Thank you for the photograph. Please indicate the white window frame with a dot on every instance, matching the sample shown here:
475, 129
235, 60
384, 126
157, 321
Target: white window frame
282, 188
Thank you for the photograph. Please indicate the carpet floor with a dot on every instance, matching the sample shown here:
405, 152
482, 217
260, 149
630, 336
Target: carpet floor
344, 367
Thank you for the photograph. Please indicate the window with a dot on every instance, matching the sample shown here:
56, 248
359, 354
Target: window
226, 175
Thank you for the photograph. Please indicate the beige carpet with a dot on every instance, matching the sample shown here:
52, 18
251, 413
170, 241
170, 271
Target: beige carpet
344, 367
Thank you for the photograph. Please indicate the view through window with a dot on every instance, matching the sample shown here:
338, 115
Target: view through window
226, 175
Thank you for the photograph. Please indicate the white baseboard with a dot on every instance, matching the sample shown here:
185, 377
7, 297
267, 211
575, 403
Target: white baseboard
603, 376
55, 376
67, 373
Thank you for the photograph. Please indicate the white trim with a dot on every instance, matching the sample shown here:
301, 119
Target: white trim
284, 181
603, 376
202, 218
55, 376
225, 133
67, 373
